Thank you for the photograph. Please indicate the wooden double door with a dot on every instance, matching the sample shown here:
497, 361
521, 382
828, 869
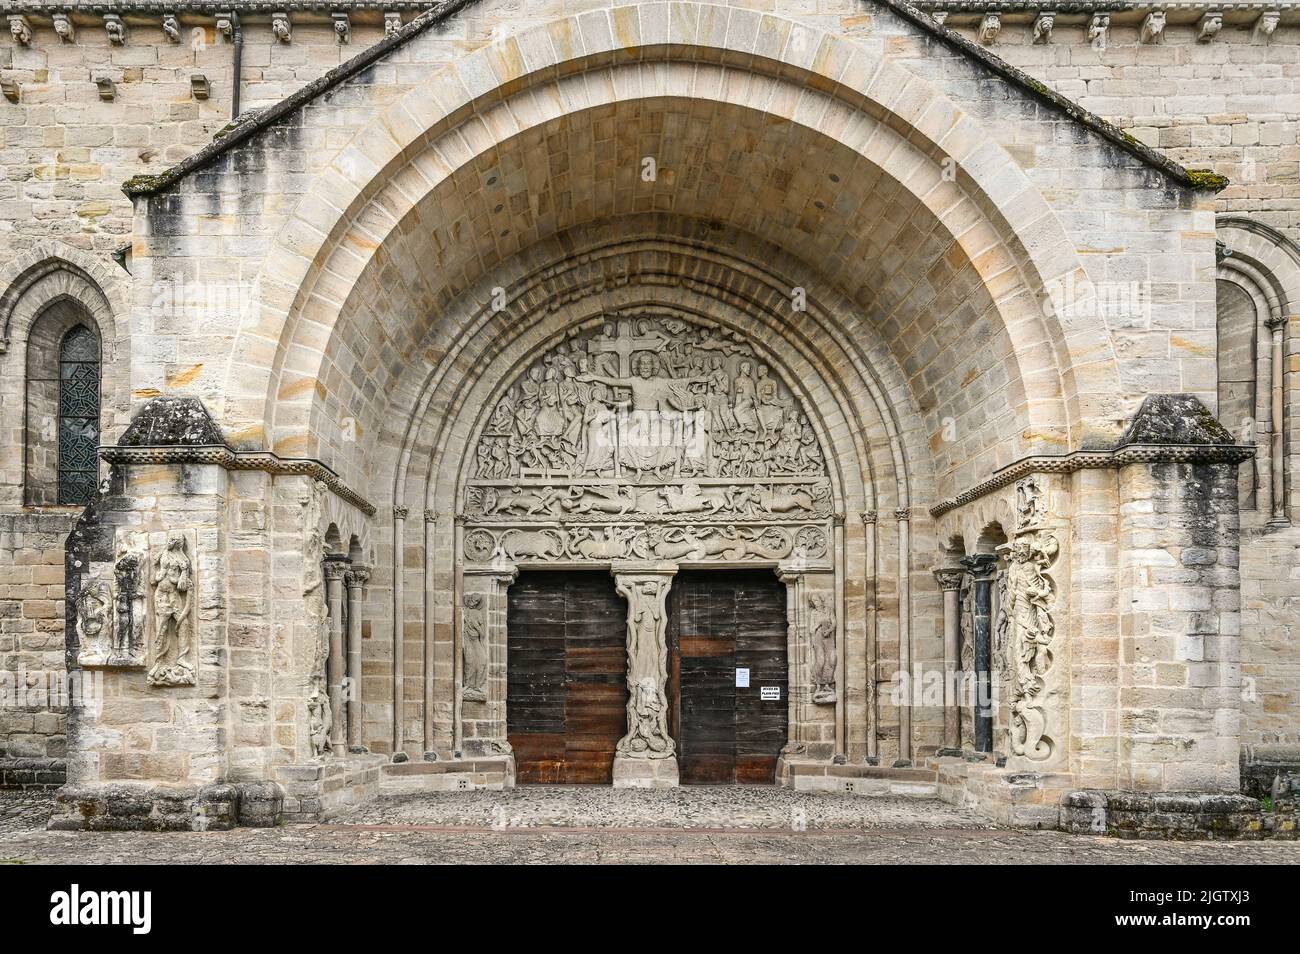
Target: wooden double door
566, 692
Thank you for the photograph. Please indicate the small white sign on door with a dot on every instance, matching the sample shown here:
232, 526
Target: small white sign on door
770, 693
742, 678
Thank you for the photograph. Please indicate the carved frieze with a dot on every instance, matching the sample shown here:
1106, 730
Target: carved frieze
651, 438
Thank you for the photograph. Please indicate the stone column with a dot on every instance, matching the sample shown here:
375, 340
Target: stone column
870, 572
399, 619
982, 568
356, 579
483, 657
335, 568
949, 578
646, 756
903, 514
1277, 423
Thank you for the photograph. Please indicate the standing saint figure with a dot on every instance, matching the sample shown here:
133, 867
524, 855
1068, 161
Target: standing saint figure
173, 604
743, 408
474, 651
821, 633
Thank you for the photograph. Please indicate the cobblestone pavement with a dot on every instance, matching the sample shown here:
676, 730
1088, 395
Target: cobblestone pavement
450, 829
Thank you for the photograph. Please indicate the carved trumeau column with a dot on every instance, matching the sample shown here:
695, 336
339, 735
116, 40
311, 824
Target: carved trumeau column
950, 578
356, 579
982, 568
646, 756
335, 568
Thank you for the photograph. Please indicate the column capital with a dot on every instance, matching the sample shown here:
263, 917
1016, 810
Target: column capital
358, 575
981, 566
949, 577
401, 513
903, 513
868, 516
335, 566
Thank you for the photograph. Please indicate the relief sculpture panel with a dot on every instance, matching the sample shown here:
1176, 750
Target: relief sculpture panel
651, 438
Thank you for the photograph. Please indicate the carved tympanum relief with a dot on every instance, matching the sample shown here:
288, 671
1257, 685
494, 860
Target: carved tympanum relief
173, 647
653, 438
1030, 605
474, 649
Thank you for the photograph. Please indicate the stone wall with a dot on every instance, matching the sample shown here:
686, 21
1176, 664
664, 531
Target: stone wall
32, 662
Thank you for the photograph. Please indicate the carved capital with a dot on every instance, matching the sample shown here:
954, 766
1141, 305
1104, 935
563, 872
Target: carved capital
981, 566
431, 516
903, 513
335, 567
401, 513
949, 577
358, 576
868, 517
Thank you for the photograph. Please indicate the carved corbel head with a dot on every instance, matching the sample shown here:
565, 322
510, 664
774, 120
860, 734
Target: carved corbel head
1043, 25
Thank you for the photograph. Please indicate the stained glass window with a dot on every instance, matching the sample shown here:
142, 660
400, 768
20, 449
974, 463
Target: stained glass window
78, 415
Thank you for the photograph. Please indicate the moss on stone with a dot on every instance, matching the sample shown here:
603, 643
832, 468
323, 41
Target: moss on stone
1205, 179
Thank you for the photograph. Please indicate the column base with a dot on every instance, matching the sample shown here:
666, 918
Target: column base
645, 773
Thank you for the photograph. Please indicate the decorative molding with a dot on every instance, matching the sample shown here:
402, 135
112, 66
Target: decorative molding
1099, 460
225, 457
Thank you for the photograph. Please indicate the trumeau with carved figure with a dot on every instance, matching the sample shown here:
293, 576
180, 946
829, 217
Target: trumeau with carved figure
649, 438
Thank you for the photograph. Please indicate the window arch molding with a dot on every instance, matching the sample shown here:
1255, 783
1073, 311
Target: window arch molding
53, 283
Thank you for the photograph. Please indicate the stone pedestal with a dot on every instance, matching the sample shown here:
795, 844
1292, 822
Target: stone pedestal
632, 772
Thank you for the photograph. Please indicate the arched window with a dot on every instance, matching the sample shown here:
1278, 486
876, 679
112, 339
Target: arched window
78, 415
63, 407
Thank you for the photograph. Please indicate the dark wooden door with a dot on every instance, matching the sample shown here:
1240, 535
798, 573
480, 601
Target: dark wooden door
720, 621
566, 692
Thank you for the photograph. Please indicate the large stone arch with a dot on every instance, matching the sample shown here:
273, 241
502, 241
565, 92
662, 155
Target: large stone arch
342, 224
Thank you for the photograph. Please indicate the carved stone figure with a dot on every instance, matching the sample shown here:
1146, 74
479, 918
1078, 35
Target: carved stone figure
821, 637
174, 651
320, 717
95, 623
474, 650
647, 658
1030, 603
128, 642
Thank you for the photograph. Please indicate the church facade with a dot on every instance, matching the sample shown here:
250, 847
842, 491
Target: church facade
850, 396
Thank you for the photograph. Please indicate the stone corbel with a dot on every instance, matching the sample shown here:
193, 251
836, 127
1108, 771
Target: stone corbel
1098, 29
939, 16
63, 27
1211, 23
226, 25
282, 26
1266, 24
1153, 27
1043, 24
107, 88
392, 22
115, 28
20, 29
990, 27
342, 27
10, 90
171, 26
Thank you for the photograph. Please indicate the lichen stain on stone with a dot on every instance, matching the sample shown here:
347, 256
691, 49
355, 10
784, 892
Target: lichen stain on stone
1192, 347
147, 394
300, 387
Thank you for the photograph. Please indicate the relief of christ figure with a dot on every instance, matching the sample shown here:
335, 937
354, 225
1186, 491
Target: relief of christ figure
651, 437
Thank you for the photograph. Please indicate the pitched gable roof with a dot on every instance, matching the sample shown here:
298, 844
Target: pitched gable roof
254, 122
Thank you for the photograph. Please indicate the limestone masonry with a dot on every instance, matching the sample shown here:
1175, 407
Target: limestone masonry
851, 395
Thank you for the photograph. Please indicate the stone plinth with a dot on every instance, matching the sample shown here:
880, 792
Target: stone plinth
645, 773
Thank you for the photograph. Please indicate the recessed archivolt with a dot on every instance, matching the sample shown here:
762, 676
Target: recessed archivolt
444, 124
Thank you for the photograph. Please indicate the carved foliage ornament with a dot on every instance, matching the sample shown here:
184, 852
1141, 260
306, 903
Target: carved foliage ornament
651, 438
1029, 608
